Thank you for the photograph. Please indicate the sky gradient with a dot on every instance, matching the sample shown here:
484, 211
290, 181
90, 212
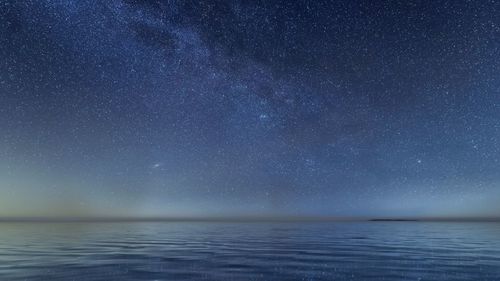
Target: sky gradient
261, 108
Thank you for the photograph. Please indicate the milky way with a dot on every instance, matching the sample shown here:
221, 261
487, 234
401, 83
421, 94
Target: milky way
180, 108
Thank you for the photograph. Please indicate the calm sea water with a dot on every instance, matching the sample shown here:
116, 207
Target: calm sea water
250, 251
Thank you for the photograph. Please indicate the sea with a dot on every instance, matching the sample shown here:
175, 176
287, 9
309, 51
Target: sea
351, 251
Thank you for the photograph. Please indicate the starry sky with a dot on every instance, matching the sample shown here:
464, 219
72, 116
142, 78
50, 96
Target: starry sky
265, 108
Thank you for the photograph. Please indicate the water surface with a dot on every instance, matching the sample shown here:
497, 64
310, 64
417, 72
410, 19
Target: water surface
250, 251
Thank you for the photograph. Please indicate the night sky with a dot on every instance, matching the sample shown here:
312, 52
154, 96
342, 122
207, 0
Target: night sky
252, 108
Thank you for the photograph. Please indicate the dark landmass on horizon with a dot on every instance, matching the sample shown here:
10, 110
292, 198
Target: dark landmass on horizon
395, 219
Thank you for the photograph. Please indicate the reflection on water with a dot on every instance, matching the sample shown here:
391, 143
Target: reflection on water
250, 251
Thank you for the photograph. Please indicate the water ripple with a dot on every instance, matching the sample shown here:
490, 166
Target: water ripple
232, 251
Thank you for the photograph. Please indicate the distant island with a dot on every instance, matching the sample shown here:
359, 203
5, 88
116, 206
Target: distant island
394, 220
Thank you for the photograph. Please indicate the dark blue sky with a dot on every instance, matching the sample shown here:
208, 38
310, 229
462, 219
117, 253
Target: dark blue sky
180, 108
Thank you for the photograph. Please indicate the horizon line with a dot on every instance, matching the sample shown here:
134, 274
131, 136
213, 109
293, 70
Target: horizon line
244, 219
